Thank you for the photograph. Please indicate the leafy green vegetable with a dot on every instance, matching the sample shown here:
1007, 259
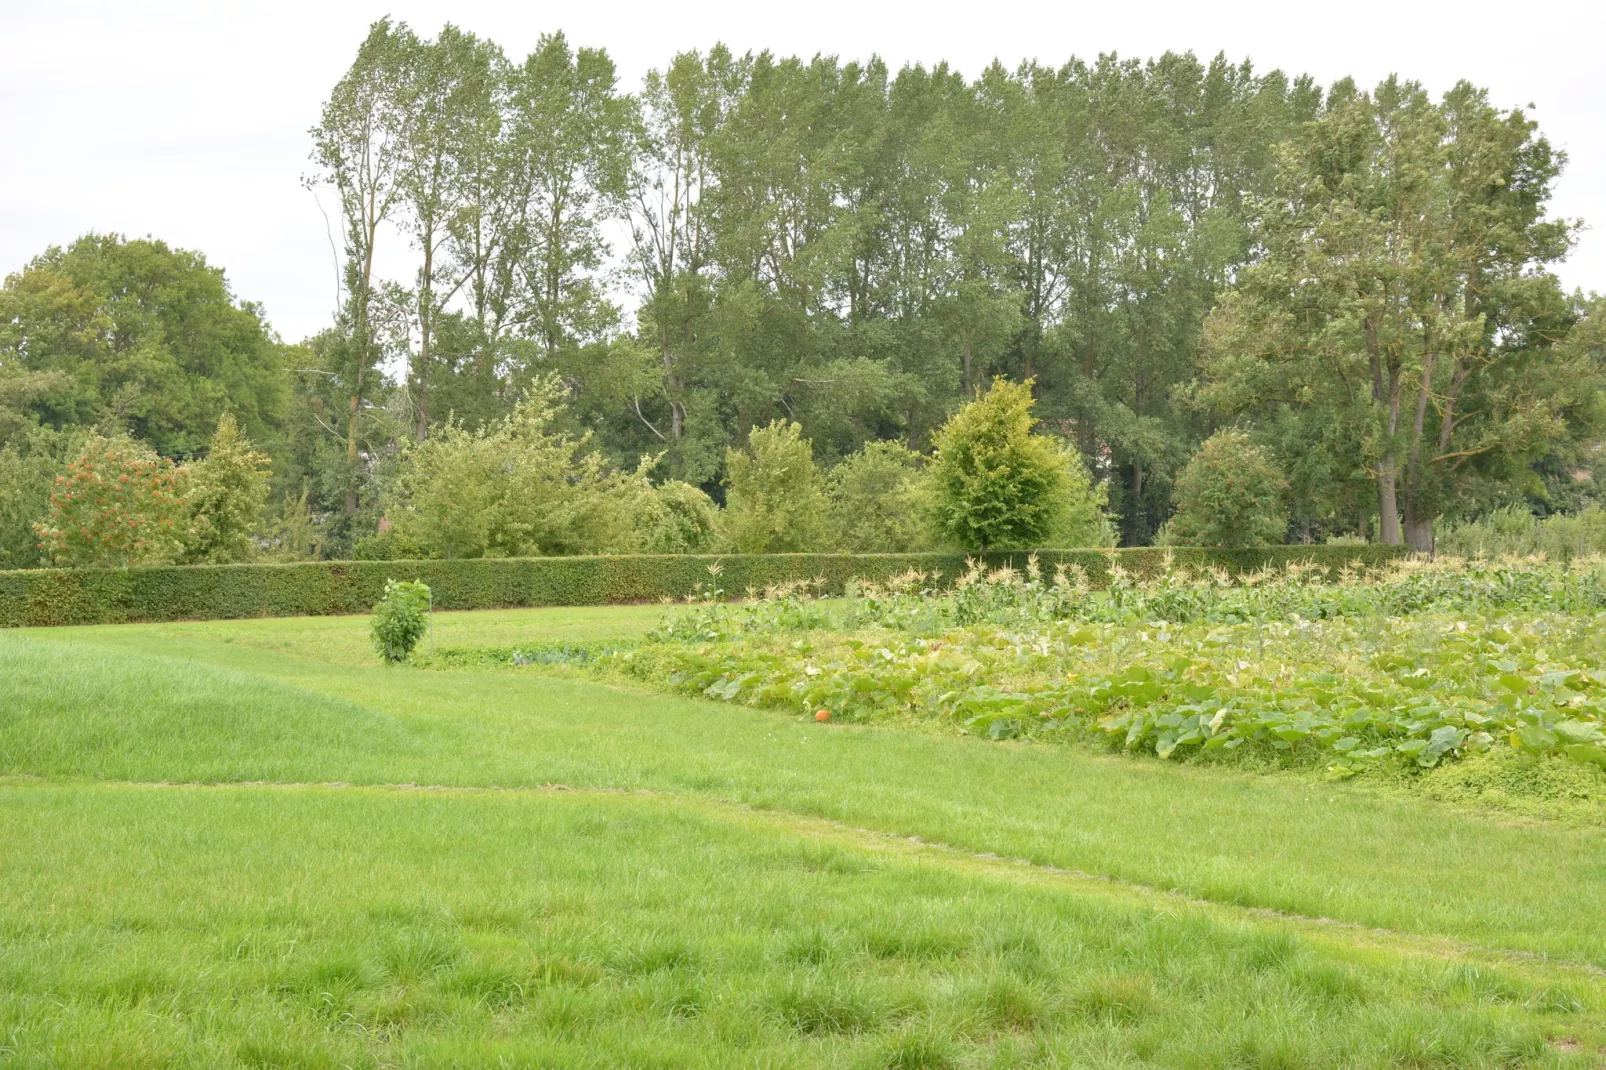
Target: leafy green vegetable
1419, 665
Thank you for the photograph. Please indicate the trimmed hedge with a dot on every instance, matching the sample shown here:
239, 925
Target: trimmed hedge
212, 592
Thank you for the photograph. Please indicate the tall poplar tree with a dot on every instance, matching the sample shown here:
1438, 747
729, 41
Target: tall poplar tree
447, 89
359, 145
570, 140
682, 107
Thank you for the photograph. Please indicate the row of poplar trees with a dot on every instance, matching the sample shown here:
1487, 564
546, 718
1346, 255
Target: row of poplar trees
1359, 278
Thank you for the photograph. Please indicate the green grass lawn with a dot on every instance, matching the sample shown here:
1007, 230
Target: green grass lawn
219, 849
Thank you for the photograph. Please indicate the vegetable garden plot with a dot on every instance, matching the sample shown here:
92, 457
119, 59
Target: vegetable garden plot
1419, 664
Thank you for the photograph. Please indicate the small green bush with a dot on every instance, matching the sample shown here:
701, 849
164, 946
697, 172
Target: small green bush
776, 502
1229, 494
400, 619
878, 500
997, 486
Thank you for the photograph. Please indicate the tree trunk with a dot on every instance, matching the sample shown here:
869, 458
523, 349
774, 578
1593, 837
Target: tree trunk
423, 388
554, 281
363, 331
677, 415
351, 451
1388, 507
1133, 523
1418, 531
426, 321
1419, 527
1139, 393
1386, 392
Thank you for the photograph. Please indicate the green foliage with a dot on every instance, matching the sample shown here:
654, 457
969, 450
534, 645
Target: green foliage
985, 242
878, 501
117, 504
361, 144
1293, 668
568, 147
663, 518
1229, 494
517, 487
1428, 692
776, 501
401, 617
294, 535
226, 491
780, 607
1514, 778
28, 470
515, 656
144, 334
1407, 247
520, 486
1515, 530
998, 486
859, 250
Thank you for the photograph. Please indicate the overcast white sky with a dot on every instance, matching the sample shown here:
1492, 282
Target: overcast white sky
187, 120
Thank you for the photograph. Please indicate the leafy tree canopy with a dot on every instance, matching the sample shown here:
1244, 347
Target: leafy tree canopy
1401, 319
1363, 281
139, 336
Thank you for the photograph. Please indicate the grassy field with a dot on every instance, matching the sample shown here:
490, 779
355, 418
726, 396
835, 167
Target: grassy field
248, 843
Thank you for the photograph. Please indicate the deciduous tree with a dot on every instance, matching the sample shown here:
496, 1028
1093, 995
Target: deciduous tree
139, 336
1229, 494
360, 145
117, 504
1403, 291
776, 502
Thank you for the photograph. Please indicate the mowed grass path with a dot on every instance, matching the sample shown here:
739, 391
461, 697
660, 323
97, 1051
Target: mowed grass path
720, 886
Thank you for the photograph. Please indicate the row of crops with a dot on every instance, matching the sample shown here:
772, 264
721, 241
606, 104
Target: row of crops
1420, 663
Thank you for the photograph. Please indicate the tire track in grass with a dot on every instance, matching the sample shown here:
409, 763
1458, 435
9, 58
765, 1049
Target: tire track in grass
1344, 938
